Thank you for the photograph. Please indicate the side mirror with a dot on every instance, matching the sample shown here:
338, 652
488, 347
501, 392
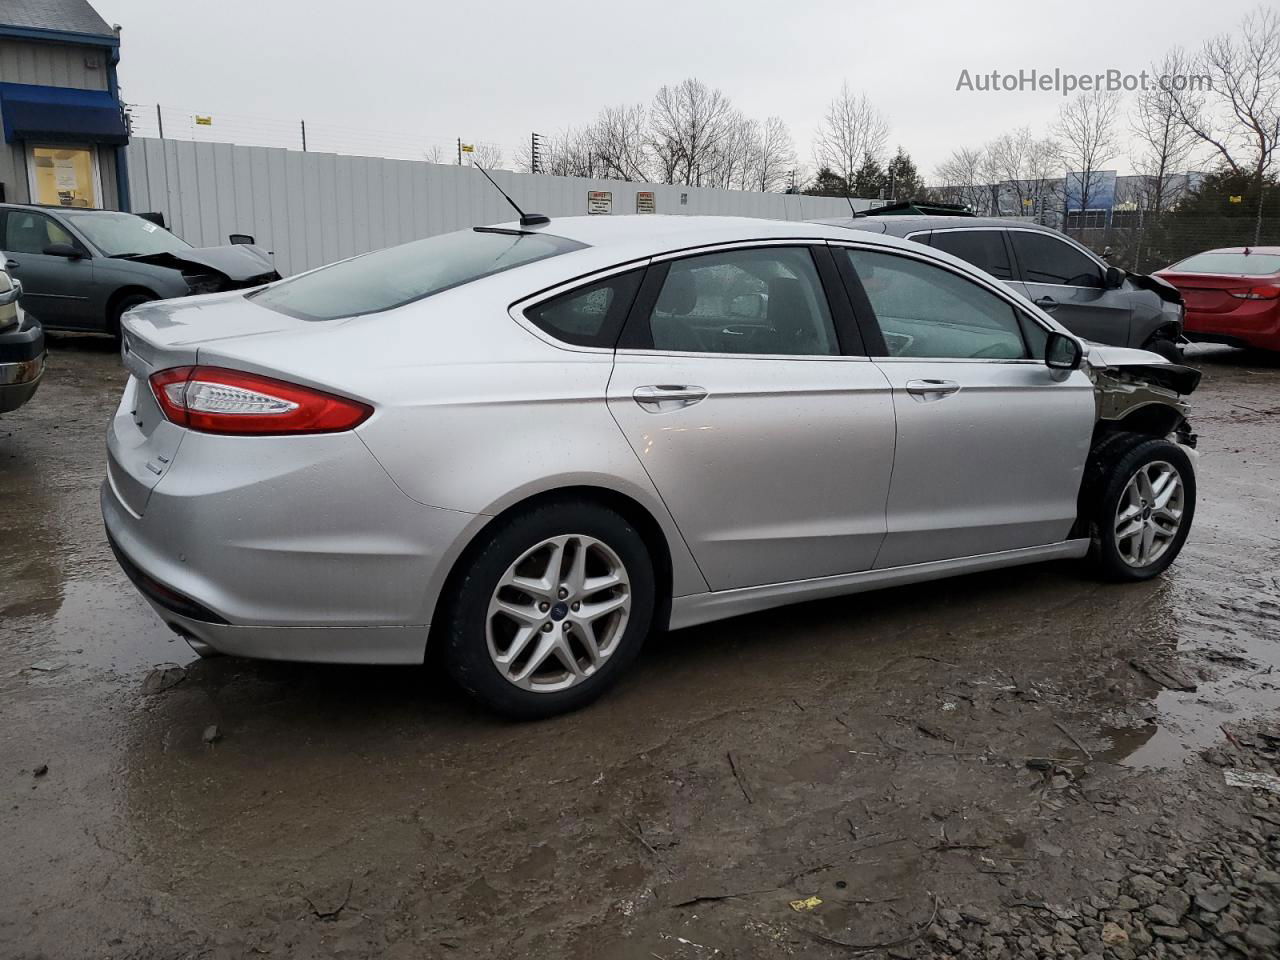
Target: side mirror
62, 250
1113, 278
241, 238
1062, 352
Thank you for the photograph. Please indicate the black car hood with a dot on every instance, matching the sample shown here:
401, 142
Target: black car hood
1162, 288
237, 262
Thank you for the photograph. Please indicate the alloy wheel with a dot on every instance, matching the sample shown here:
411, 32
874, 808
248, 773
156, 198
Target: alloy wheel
558, 613
1149, 514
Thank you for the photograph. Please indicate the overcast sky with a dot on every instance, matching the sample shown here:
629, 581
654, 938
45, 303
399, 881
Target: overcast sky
379, 73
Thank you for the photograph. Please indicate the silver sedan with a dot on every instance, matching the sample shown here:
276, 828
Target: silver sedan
528, 447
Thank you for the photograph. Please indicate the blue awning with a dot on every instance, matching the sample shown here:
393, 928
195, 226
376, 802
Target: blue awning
60, 114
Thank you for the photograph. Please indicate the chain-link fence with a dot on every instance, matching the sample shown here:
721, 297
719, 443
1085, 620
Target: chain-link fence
1149, 243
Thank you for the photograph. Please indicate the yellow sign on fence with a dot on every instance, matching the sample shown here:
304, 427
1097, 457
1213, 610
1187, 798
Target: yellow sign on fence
204, 121
1235, 198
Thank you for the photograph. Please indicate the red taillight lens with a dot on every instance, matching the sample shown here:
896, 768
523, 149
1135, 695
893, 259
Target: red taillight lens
1257, 293
217, 400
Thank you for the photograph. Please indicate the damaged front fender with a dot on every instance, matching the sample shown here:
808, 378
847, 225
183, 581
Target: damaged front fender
1142, 391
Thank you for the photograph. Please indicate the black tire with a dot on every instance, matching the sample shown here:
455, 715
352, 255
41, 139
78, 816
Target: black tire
1113, 464
121, 307
1168, 349
464, 640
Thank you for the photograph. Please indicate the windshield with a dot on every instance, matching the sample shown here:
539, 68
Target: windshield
123, 234
1234, 264
393, 277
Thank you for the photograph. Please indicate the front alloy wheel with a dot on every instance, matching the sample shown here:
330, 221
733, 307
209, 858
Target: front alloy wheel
1149, 514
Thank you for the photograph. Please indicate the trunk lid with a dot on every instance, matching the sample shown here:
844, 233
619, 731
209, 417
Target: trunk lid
1210, 292
141, 443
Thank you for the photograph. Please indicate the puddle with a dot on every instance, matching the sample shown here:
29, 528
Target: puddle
1243, 681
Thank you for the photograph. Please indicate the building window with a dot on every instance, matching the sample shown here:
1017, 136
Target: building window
65, 176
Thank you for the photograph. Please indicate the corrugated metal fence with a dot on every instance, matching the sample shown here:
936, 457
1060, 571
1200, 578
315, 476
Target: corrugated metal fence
314, 208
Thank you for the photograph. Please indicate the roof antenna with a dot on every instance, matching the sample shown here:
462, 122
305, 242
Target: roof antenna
526, 219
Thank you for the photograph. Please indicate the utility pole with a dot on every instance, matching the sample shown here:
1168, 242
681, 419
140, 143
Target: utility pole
160, 121
304, 135
535, 153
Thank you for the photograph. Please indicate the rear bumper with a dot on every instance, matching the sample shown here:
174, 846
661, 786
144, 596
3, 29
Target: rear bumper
1254, 323
289, 550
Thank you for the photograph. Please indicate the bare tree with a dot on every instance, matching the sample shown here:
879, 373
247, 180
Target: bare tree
959, 179
852, 131
1042, 173
689, 124
620, 141
1239, 119
433, 154
1162, 142
775, 158
487, 155
1087, 127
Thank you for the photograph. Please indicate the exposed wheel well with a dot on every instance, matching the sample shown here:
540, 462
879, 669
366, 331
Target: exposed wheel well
115, 299
1168, 331
634, 512
1152, 419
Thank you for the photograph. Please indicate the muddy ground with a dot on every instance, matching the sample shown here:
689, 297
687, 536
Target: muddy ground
969, 768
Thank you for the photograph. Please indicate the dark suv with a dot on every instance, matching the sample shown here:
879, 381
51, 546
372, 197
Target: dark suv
1090, 298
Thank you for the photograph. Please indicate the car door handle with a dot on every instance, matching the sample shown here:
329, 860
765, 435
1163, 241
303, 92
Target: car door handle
1046, 303
660, 397
11, 264
928, 390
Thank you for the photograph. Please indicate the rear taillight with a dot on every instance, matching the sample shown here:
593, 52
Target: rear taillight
218, 400
1257, 293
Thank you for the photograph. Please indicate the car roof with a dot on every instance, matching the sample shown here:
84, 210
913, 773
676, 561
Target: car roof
56, 206
1269, 251
677, 230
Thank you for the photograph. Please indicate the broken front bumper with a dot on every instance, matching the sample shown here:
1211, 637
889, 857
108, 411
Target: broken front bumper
21, 363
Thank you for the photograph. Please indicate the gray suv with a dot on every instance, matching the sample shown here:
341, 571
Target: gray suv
82, 269
1090, 298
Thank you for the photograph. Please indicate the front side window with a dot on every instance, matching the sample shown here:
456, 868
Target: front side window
762, 301
1047, 259
589, 316
124, 235
393, 277
32, 233
927, 311
983, 248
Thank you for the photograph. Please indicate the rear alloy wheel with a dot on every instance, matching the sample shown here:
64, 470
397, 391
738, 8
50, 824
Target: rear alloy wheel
1144, 513
554, 607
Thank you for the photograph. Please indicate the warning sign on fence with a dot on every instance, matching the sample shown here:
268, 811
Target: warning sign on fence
645, 202
599, 201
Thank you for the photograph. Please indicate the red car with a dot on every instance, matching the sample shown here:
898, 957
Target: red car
1232, 295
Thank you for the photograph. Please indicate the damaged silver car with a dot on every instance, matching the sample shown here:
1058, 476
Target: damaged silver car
527, 446
83, 269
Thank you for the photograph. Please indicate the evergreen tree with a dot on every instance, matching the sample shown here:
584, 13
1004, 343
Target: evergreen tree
827, 183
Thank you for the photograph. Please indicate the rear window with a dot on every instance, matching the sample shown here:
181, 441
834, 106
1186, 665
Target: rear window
1234, 264
390, 278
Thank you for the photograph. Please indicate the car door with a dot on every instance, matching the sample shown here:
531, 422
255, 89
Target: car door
55, 289
740, 386
1068, 283
991, 443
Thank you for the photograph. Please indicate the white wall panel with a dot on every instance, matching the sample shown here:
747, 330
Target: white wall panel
314, 208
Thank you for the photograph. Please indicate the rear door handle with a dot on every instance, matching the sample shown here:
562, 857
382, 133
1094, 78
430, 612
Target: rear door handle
1046, 303
11, 264
925, 391
661, 397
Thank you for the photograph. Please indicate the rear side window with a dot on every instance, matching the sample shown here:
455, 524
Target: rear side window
590, 316
32, 233
927, 311
390, 278
1047, 259
985, 249
1232, 264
